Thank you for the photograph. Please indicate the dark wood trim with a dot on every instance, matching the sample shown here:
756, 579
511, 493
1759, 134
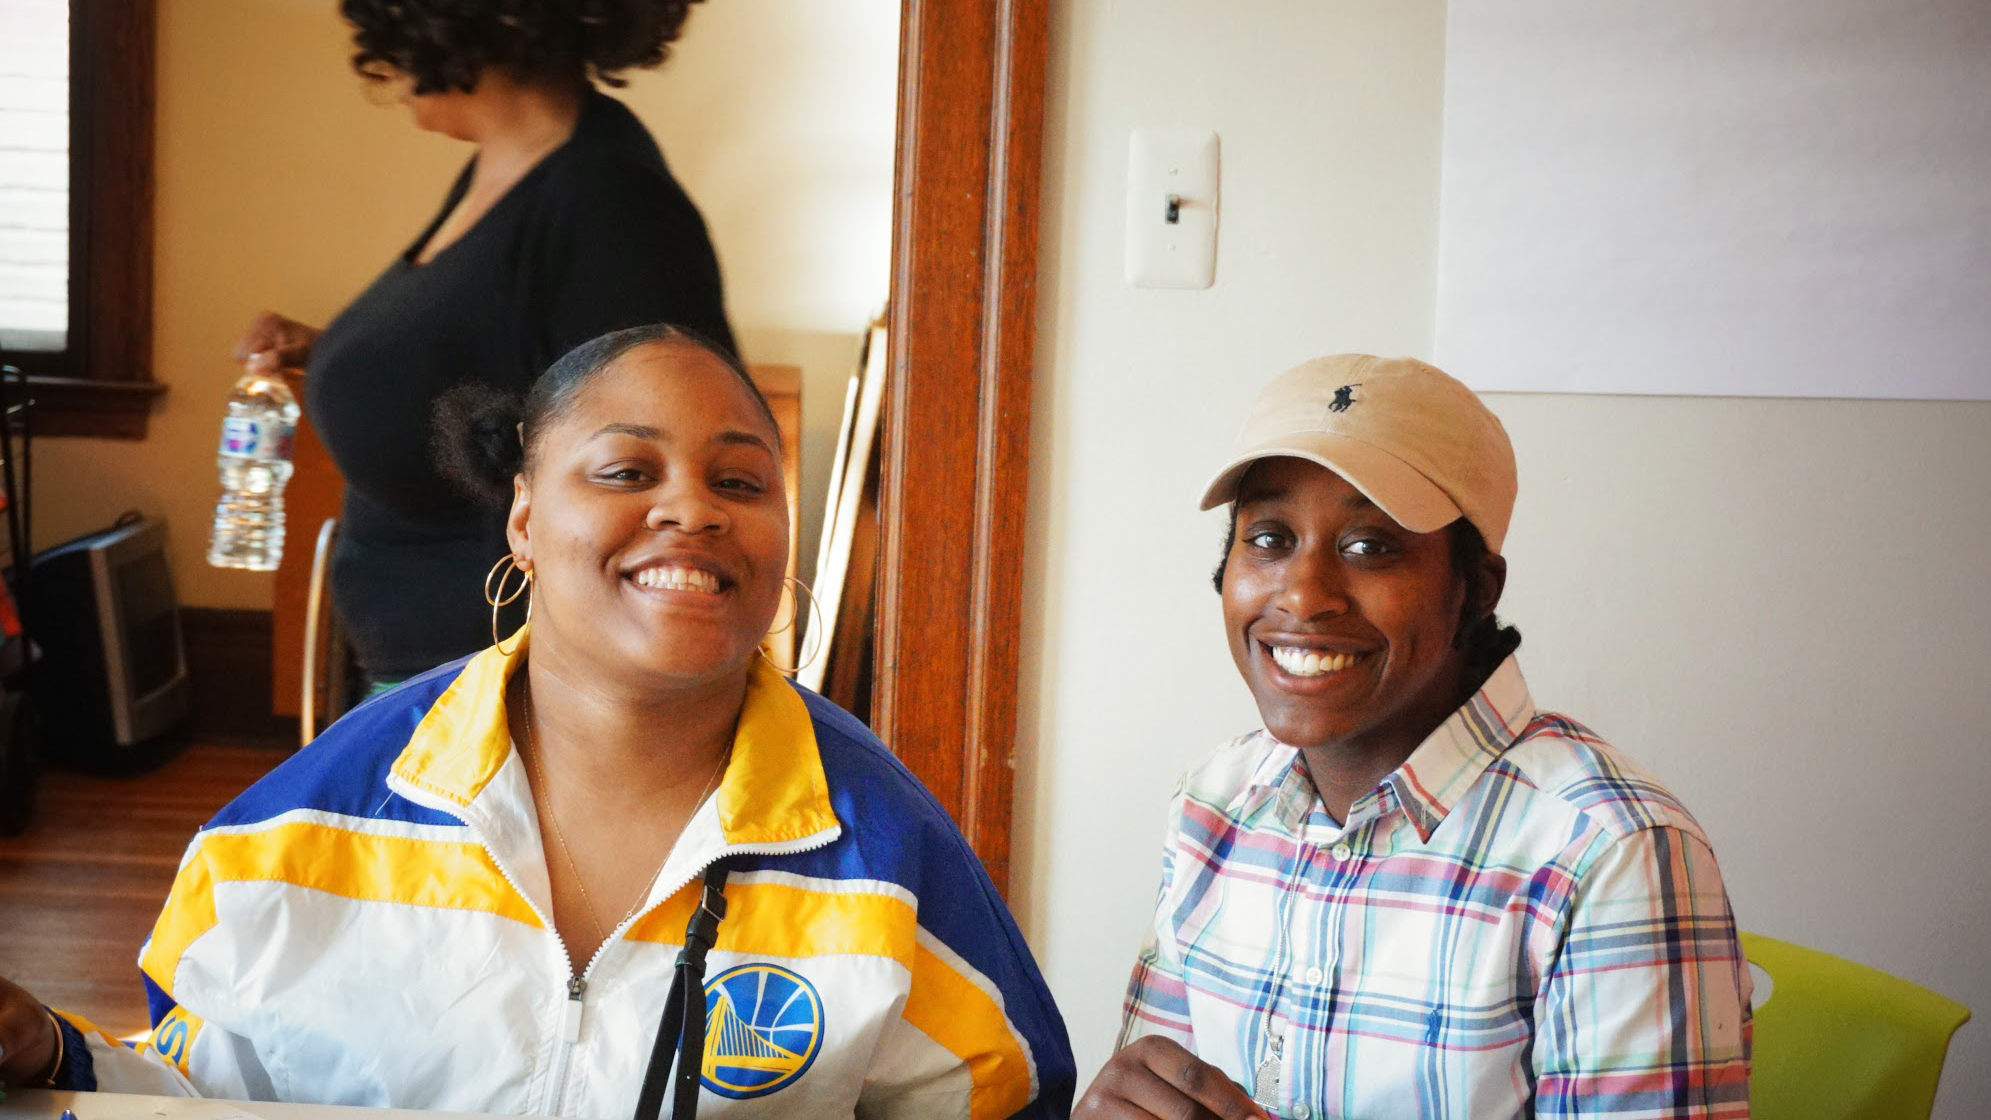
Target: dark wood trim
102, 384
956, 467
114, 82
74, 406
228, 667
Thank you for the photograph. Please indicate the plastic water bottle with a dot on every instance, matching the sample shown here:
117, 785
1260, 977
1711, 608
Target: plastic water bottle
255, 463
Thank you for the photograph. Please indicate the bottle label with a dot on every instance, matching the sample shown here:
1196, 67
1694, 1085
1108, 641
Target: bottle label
245, 438
240, 436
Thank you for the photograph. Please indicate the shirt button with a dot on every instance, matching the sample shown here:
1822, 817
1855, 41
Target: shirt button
1343, 852
1301, 1111
1315, 975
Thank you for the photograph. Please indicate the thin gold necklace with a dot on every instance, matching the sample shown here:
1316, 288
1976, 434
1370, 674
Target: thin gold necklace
560, 838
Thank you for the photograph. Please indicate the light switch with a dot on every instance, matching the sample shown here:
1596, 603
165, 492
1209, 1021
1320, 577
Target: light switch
1171, 208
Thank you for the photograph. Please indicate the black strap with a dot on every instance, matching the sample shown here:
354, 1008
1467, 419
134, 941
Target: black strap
682, 1032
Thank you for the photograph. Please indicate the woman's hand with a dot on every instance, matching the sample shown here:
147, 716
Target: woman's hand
1156, 1079
273, 344
27, 1037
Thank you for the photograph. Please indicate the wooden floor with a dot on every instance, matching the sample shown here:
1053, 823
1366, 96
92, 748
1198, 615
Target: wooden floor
80, 888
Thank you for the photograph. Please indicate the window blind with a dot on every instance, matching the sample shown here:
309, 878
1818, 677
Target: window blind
34, 174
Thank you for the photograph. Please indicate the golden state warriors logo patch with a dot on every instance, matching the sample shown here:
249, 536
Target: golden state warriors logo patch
763, 1027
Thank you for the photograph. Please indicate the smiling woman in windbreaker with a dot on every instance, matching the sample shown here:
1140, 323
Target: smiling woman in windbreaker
470, 893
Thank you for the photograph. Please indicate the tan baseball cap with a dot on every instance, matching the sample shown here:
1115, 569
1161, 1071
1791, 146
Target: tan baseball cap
1418, 443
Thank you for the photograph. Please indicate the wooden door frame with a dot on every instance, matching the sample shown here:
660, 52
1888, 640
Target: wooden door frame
957, 413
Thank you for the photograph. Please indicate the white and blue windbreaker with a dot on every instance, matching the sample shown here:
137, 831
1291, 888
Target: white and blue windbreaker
368, 925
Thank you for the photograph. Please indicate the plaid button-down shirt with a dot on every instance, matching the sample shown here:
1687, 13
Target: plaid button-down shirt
1517, 922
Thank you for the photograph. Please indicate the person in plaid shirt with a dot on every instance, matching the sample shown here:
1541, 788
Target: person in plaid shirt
1412, 894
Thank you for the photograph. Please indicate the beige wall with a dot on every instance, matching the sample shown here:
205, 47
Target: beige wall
1779, 606
280, 185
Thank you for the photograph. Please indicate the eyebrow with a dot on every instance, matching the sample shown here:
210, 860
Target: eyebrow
732, 437
735, 438
640, 431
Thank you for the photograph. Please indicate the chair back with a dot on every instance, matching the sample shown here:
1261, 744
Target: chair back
1840, 1041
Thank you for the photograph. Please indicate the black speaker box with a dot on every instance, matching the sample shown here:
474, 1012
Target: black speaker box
112, 675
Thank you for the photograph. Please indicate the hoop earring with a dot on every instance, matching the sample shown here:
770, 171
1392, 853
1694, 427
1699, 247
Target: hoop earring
816, 628
501, 573
796, 612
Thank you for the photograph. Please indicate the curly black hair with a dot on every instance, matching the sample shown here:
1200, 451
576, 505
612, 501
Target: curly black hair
446, 44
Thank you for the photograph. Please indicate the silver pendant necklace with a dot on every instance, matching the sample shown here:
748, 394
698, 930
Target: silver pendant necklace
1266, 1082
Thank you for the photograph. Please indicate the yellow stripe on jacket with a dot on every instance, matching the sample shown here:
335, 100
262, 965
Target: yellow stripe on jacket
778, 920
956, 1013
415, 872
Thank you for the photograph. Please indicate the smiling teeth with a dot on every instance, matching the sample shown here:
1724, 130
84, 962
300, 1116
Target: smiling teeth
1310, 662
678, 579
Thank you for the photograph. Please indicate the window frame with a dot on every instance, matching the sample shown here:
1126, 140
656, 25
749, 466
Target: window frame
101, 383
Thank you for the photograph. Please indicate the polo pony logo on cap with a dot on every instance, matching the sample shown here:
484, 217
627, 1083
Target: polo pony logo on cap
1343, 398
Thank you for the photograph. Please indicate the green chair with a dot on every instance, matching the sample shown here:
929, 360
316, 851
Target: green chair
1840, 1041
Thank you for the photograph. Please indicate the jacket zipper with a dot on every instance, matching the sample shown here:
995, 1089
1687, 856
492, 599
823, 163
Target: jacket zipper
570, 1033
577, 985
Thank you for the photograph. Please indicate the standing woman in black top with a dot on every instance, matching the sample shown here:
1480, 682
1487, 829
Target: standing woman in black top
566, 224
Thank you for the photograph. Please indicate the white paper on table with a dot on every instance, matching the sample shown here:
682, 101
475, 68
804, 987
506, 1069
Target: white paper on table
45, 1104
123, 1106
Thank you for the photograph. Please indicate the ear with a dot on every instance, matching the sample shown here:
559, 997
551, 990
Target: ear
518, 531
1489, 579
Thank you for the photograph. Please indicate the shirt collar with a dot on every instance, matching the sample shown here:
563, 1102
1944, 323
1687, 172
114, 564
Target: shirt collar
1275, 784
1436, 776
774, 791
1429, 784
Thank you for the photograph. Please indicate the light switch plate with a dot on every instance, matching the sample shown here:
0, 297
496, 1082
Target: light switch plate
1172, 173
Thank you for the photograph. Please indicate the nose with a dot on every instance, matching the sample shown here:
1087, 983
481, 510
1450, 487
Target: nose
1313, 584
685, 504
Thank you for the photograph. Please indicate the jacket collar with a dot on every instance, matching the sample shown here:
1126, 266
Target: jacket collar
774, 793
